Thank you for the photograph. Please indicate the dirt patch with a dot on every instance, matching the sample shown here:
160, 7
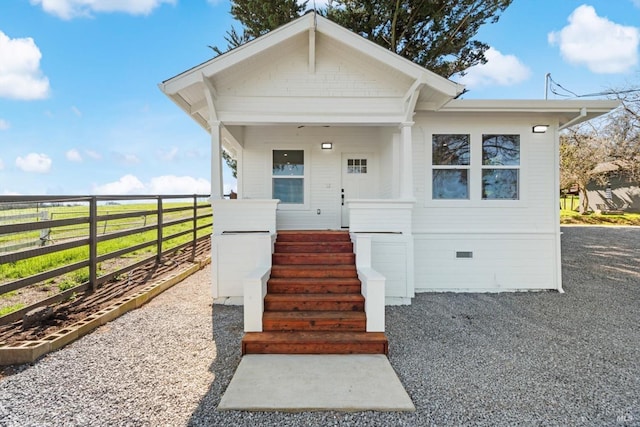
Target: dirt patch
81, 305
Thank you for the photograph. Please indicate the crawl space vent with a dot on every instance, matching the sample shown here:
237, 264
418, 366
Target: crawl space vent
464, 255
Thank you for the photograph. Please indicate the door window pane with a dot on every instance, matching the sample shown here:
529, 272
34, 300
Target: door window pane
357, 166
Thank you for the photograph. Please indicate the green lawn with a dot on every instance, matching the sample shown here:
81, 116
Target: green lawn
28, 267
573, 217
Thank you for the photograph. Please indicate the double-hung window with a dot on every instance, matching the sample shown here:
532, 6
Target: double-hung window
451, 160
287, 176
500, 167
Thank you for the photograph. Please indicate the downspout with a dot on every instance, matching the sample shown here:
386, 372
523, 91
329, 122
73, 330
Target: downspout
579, 117
558, 236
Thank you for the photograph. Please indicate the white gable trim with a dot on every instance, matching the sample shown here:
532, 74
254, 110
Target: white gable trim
382, 54
310, 22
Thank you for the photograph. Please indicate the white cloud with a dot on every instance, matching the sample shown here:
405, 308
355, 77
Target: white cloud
168, 155
128, 184
74, 155
1, 164
167, 184
171, 184
34, 162
20, 74
602, 45
126, 158
76, 111
4, 125
499, 70
93, 154
636, 3
68, 9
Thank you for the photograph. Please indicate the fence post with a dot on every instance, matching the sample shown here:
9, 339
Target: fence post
93, 242
159, 234
195, 227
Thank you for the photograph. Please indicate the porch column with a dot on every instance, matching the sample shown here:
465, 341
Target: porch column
406, 161
216, 161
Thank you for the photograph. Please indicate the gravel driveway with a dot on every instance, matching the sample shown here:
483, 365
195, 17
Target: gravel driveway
467, 359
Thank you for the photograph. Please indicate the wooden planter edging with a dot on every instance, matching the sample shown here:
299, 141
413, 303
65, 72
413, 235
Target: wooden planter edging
30, 351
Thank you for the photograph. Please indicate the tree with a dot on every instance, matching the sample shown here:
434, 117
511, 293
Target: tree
437, 34
621, 133
580, 152
258, 18
231, 162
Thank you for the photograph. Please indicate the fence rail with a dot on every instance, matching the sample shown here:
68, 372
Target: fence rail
141, 229
41, 240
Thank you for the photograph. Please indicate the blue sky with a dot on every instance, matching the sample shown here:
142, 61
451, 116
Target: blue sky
81, 113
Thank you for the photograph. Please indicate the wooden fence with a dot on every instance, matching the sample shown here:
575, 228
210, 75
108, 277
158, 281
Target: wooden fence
37, 216
192, 212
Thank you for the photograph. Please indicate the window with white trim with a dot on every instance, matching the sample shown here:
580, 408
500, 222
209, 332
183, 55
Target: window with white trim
500, 167
451, 161
287, 176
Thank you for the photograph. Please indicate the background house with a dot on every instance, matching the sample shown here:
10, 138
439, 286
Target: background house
621, 193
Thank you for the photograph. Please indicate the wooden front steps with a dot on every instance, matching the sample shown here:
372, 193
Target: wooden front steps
313, 303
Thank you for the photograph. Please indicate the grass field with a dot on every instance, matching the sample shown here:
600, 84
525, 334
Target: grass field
31, 266
573, 217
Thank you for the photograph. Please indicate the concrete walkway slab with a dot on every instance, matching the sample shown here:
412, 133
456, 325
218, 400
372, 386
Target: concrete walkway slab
278, 382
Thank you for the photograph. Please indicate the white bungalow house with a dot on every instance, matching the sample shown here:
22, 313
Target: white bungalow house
333, 132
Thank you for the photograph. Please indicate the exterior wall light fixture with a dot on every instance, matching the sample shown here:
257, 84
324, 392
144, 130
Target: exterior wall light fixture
540, 128
327, 145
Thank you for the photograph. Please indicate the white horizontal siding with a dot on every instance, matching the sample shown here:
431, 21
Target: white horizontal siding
391, 255
535, 211
383, 216
390, 260
234, 257
243, 215
499, 263
339, 72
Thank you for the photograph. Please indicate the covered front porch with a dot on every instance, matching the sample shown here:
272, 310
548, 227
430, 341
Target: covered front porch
328, 177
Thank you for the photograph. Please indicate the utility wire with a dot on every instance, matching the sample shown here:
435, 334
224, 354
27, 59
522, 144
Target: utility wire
562, 87
555, 87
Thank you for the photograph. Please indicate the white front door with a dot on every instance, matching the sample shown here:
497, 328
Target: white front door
358, 180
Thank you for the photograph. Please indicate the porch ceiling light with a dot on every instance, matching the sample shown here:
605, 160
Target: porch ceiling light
540, 128
327, 145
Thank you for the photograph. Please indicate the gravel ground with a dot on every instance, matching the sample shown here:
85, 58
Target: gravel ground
468, 359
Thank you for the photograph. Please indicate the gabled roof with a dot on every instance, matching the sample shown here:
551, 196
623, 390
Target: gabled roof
188, 89
220, 90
